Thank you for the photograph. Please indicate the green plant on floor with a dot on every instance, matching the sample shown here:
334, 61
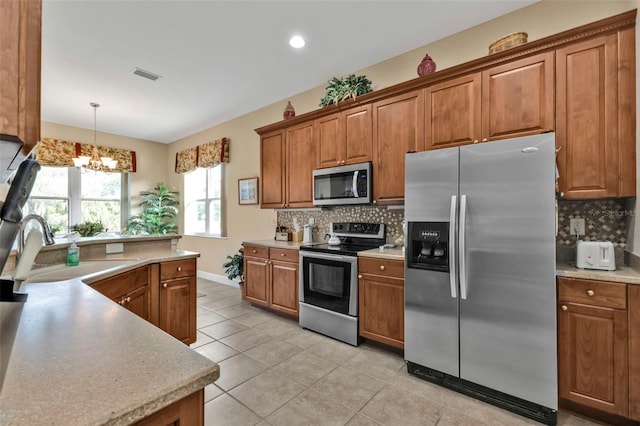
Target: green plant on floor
159, 210
87, 228
234, 266
340, 89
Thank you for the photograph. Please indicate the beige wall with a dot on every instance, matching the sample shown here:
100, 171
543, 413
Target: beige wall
151, 157
250, 222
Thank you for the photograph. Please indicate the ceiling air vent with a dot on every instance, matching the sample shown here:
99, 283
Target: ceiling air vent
146, 74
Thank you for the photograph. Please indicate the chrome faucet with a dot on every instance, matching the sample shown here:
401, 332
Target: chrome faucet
46, 231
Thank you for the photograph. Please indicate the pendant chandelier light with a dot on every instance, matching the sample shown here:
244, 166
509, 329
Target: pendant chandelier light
95, 162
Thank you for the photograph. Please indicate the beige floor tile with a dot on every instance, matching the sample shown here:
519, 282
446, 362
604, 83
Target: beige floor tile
223, 329
311, 408
277, 327
303, 338
216, 351
223, 302
234, 311
201, 339
377, 363
484, 412
273, 352
349, 387
267, 392
238, 369
208, 319
306, 367
570, 419
226, 411
253, 318
264, 423
390, 407
211, 391
408, 383
456, 418
361, 420
334, 350
246, 339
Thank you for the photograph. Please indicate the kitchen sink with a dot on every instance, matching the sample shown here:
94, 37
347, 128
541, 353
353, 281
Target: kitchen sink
63, 272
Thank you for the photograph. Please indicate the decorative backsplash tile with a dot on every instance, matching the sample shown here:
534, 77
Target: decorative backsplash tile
605, 220
369, 214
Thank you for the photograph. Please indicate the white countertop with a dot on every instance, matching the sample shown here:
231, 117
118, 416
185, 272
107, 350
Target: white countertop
623, 274
388, 253
80, 358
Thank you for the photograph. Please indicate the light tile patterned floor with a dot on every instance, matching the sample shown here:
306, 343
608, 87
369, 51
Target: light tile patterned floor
272, 372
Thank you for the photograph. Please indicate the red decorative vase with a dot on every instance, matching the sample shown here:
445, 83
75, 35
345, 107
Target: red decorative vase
289, 112
427, 66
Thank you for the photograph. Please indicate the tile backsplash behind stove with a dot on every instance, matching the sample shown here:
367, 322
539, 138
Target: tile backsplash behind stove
605, 220
369, 214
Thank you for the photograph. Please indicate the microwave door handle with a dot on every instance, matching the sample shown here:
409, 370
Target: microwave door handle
452, 246
354, 185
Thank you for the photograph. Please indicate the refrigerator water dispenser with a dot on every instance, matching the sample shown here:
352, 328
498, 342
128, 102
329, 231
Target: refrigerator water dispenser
428, 246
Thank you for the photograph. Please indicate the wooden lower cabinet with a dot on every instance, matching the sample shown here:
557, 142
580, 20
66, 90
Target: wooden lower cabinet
189, 411
162, 293
271, 278
634, 352
593, 346
381, 300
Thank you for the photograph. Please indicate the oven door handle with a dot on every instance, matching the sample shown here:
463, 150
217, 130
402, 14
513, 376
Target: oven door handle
327, 256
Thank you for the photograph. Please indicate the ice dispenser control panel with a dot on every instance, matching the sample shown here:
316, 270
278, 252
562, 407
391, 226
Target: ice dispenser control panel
428, 246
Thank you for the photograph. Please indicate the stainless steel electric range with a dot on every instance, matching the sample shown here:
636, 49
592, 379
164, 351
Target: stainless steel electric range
329, 280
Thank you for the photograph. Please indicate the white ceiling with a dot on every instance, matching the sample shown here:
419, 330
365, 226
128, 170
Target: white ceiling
221, 59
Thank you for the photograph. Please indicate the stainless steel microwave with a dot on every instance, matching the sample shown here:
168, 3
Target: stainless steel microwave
337, 186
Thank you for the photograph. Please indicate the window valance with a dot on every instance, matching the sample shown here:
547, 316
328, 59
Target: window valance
209, 154
59, 153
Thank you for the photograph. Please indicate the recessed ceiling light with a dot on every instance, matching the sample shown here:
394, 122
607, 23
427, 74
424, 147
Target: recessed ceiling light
297, 42
146, 74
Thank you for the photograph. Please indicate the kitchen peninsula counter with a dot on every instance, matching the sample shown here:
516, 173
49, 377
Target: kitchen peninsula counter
80, 358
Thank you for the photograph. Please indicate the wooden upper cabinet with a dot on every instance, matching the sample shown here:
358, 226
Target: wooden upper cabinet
595, 114
518, 98
398, 128
344, 137
300, 162
453, 112
20, 40
272, 178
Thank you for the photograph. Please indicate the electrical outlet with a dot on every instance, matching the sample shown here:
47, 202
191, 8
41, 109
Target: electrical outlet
576, 226
114, 248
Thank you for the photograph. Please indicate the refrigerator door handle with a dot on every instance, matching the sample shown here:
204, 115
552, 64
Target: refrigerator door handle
452, 246
461, 248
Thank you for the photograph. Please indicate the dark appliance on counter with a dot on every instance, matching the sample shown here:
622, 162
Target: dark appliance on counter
336, 186
11, 303
329, 280
480, 293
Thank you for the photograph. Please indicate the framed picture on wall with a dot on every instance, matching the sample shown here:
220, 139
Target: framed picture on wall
248, 191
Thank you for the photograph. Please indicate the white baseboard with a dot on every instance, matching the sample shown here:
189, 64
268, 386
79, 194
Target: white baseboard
218, 278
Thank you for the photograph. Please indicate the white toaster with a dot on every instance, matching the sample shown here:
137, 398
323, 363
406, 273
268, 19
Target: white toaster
596, 255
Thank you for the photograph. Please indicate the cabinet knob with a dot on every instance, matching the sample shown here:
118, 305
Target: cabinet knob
266, 262
254, 251
128, 299
374, 201
590, 292
283, 254
164, 285
382, 267
564, 307
359, 276
484, 139
475, 141
179, 268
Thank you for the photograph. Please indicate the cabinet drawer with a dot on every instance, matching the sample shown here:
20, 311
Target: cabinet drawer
177, 269
284, 255
389, 268
590, 292
256, 251
119, 285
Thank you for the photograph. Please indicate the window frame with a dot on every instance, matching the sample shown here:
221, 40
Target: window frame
207, 205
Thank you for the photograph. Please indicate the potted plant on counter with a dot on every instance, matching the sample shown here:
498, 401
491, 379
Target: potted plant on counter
234, 268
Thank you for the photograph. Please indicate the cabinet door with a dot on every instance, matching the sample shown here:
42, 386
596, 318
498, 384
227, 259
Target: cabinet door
634, 350
592, 357
398, 128
272, 177
20, 35
284, 287
587, 114
300, 164
330, 140
178, 308
381, 309
518, 98
453, 112
256, 280
137, 302
357, 135
187, 411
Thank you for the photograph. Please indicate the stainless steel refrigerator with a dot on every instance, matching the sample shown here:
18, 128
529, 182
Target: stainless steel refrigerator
480, 309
